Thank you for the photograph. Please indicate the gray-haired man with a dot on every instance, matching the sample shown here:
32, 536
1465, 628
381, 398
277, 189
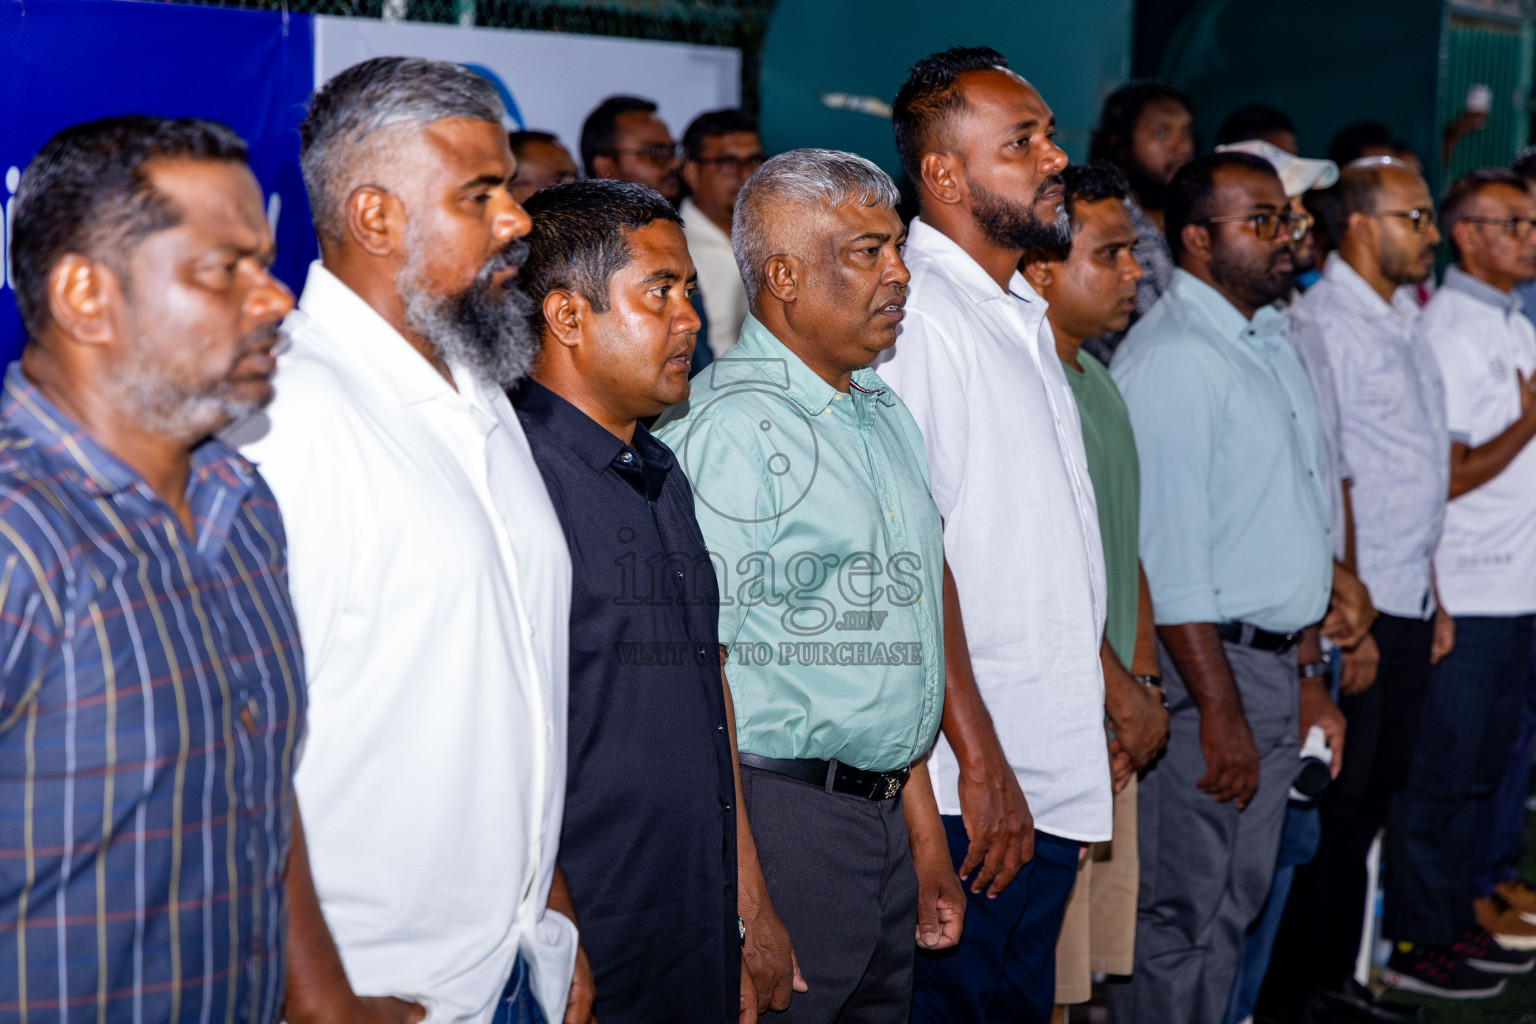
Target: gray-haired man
811, 488
430, 576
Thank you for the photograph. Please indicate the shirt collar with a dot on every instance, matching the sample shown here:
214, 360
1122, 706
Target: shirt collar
585, 437
960, 267
370, 342
760, 358
1267, 325
1338, 272
1458, 280
697, 222
96, 470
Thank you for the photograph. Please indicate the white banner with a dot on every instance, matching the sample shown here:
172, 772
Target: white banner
550, 81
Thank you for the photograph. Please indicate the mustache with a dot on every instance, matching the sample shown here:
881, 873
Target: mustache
511, 257
1046, 184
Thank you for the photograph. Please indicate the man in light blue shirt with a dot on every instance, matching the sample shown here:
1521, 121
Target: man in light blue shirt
1236, 543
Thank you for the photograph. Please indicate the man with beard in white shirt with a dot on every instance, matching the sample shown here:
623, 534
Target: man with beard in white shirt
430, 575
1021, 772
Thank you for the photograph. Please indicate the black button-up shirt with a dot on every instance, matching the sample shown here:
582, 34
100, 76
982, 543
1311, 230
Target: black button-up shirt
649, 842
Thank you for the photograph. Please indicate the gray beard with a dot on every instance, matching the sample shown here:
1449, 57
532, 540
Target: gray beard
484, 328
174, 408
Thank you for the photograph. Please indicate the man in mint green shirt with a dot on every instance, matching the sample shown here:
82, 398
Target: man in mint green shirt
1090, 285
811, 488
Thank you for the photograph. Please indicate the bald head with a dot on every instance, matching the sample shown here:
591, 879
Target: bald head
1380, 215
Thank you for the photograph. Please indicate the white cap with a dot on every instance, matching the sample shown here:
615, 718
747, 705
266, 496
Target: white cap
1298, 175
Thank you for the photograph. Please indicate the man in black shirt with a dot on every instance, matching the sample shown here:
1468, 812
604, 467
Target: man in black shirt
649, 843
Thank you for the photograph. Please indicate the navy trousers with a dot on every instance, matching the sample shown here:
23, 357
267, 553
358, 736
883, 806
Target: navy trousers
1471, 712
1005, 966
1501, 823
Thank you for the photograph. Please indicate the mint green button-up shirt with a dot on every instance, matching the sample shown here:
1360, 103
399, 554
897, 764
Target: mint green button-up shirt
829, 553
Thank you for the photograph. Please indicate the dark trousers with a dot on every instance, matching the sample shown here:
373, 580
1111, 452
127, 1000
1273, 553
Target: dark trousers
1471, 711
517, 1005
1320, 934
1005, 966
839, 871
1206, 867
1501, 823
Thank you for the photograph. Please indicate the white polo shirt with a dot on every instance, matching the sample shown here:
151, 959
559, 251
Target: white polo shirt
1486, 561
977, 367
432, 586
725, 297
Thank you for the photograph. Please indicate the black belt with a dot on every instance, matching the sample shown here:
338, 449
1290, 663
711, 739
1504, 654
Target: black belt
1244, 635
833, 776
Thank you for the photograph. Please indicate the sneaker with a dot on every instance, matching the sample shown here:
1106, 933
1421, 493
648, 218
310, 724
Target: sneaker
1434, 971
1521, 895
1504, 923
1478, 949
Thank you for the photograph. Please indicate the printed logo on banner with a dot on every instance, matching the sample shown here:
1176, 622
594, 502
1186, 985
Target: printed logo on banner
82, 60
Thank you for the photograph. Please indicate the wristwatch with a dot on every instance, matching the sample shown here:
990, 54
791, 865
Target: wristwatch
1312, 670
1155, 683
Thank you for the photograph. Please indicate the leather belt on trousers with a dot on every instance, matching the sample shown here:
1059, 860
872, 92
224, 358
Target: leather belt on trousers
1244, 635
833, 776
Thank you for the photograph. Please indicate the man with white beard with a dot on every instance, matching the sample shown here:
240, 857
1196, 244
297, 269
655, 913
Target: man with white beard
430, 575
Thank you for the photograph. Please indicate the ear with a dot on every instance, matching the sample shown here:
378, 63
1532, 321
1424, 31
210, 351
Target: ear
781, 276
1464, 234
604, 166
1362, 226
1197, 241
690, 172
1040, 274
943, 177
84, 296
375, 220
565, 316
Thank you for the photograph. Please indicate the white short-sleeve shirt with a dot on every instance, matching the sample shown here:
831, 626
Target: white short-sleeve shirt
432, 586
1486, 561
977, 367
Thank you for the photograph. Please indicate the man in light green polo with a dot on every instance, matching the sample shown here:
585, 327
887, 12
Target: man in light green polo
811, 488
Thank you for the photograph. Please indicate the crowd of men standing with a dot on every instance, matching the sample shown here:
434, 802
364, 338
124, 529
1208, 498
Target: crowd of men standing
673, 609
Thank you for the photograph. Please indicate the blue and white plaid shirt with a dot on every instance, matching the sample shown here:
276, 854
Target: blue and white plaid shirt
151, 702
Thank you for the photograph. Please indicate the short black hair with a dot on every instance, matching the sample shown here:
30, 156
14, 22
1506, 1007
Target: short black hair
715, 122
1254, 121
601, 126
523, 139
1354, 192
1111, 140
1093, 182
1463, 190
1350, 142
88, 191
928, 99
1190, 191
580, 237
1524, 163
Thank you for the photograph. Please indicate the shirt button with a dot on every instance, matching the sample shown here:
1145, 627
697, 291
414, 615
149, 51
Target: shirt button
719, 728
627, 457
727, 808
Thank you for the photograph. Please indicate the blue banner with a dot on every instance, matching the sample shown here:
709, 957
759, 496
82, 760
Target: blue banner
66, 61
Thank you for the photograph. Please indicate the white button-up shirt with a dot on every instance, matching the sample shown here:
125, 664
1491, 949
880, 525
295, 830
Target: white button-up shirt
1391, 407
1486, 562
977, 367
432, 586
725, 297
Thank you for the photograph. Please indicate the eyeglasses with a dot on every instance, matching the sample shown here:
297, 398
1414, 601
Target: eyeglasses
1423, 218
659, 154
1267, 224
734, 164
1518, 228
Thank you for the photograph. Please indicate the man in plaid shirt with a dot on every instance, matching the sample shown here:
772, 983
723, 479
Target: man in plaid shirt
151, 688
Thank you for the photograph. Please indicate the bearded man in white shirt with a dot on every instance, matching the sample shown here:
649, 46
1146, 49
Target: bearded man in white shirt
430, 575
1021, 771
